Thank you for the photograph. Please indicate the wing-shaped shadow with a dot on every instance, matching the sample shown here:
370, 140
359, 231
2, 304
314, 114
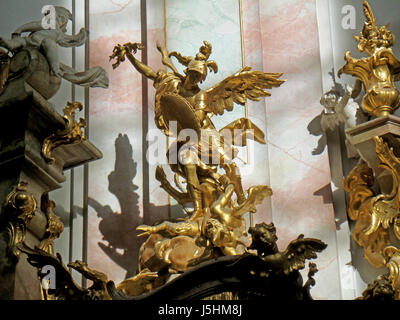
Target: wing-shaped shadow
121, 243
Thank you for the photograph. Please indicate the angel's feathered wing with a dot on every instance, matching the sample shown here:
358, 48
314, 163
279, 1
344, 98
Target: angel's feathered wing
243, 85
300, 250
66, 287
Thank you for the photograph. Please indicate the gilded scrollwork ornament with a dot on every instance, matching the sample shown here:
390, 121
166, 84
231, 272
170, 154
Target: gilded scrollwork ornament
65, 286
374, 192
18, 211
374, 213
386, 286
54, 226
392, 257
72, 132
380, 290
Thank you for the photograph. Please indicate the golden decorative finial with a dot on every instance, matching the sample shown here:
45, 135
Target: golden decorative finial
378, 71
371, 36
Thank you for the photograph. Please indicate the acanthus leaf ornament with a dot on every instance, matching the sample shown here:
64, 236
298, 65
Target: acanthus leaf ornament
65, 286
374, 213
392, 256
72, 132
54, 226
380, 290
18, 211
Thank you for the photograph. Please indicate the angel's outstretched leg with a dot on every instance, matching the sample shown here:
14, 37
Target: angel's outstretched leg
193, 187
181, 197
173, 228
233, 172
189, 159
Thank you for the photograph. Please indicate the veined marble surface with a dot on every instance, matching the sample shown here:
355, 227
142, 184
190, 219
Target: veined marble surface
159, 202
115, 182
190, 22
301, 182
258, 171
279, 36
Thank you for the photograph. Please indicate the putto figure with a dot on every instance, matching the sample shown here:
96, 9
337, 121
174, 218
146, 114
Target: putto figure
27, 54
339, 110
216, 221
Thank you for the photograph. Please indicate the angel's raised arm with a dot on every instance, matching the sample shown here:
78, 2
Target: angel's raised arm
29, 27
120, 51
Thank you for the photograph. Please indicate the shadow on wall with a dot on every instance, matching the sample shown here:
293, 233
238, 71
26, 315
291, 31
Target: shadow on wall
119, 228
366, 272
314, 126
121, 243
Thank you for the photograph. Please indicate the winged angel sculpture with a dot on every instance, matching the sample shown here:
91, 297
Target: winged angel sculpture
216, 218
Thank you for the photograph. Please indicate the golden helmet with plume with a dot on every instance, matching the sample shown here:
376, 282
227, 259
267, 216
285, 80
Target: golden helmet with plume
199, 63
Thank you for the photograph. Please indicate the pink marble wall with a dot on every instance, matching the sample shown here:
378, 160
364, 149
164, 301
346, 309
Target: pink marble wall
116, 186
115, 182
279, 36
159, 202
300, 181
253, 57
